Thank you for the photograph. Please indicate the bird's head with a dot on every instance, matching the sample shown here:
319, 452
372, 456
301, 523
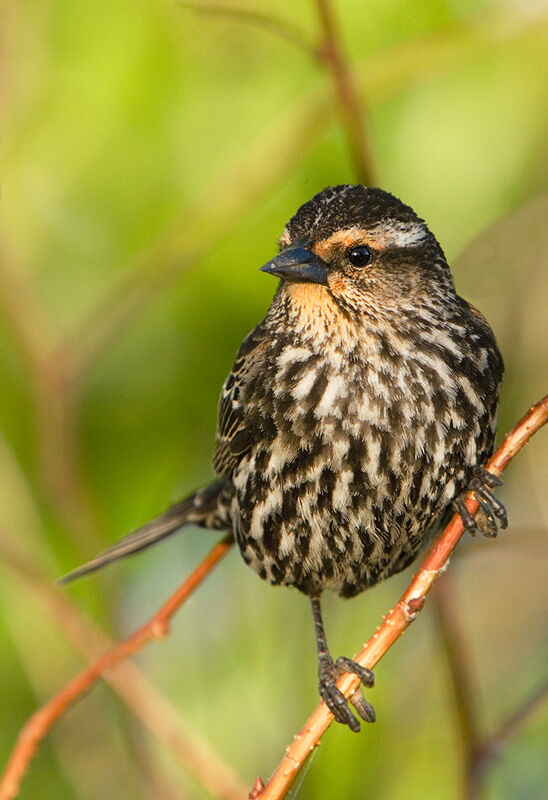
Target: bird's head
365, 247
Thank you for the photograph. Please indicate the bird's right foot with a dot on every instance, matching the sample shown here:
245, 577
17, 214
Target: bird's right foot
491, 514
335, 700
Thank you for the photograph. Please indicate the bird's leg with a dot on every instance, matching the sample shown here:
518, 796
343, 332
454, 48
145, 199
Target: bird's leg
491, 509
329, 672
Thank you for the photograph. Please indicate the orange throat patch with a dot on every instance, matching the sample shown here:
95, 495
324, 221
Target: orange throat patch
316, 312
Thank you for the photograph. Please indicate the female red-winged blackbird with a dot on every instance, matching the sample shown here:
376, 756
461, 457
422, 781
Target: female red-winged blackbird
355, 416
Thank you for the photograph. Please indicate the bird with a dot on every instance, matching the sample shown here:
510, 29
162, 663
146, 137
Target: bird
357, 415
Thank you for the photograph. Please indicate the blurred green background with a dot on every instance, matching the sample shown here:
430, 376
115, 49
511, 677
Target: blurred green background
150, 157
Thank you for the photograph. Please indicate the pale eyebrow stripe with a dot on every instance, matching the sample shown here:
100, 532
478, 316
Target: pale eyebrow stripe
396, 235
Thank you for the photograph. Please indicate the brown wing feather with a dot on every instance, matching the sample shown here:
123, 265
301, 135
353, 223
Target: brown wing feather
234, 439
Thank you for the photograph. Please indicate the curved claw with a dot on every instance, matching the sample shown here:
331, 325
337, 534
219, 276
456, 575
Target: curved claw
363, 707
487, 525
496, 506
467, 519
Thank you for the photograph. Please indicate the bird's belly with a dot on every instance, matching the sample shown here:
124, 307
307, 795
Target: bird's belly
350, 472
338, 514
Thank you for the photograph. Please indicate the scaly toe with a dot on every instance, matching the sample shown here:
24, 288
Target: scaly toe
335, 699
497, 507
485, 521
343, 664
485, 478
338, 704
459, 507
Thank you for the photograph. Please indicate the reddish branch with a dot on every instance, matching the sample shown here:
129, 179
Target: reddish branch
156, 628
403, 613
147, 703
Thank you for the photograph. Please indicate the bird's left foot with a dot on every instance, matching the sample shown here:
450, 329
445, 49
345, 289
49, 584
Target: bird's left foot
335, 700
491, 514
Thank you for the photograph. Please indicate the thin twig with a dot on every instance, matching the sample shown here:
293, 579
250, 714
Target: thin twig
156, 628
346, 88
60, 469
147, 703
491, 746
269, 22
403, 613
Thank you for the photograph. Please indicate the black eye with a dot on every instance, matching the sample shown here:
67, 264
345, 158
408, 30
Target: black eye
359, 256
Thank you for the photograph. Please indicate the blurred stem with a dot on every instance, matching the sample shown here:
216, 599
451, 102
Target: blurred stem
59, 450
157, 782
144, 700
488, 749
66, 745
276, 25
25, 316
459, 663
54, 389
477, 752
346, 89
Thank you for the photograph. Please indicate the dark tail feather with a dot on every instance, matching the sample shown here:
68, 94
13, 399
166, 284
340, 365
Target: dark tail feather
198, 508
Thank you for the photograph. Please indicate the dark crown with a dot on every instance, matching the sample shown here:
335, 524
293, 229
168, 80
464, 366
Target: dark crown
348, 205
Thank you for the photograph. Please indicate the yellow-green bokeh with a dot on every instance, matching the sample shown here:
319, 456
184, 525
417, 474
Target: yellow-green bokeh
123, 125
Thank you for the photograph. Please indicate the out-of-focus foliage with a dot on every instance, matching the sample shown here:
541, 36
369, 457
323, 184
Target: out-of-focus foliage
141, 142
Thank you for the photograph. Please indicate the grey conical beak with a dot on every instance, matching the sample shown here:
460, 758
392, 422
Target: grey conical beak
298, 264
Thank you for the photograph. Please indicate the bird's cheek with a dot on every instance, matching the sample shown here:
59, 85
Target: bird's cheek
337, 282
350, 289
